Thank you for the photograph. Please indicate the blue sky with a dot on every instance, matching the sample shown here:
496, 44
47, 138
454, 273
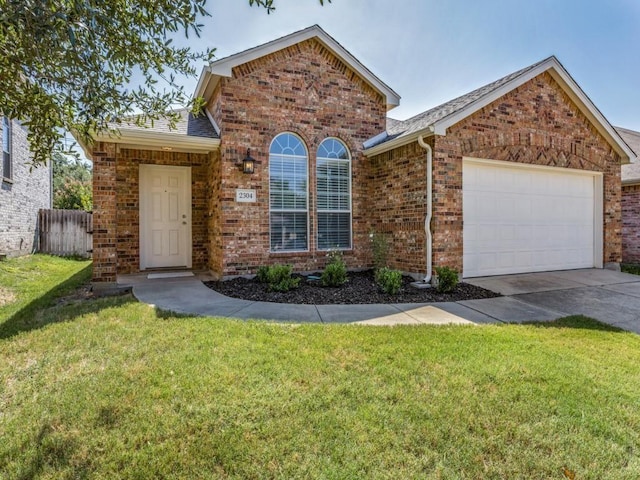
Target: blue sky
430, 51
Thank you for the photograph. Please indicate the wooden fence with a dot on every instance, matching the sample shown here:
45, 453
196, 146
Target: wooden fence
65, 232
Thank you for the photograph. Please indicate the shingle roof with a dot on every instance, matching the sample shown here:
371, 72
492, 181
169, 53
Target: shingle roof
630, 171
631, 137
397, 128
187, 124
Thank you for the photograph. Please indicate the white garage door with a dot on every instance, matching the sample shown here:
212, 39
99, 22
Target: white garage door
528, 219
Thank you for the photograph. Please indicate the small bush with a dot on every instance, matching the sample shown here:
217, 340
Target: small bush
389, 281
379, 248
262, 275
335, 273
279, 278
447, 279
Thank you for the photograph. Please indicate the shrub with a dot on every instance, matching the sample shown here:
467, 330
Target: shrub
389, 280
279, 278
447, 279
335, 273
380, 249
262, 275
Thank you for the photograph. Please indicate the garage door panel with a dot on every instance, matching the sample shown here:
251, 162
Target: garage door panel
524, 220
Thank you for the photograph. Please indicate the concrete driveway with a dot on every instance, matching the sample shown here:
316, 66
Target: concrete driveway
609, 296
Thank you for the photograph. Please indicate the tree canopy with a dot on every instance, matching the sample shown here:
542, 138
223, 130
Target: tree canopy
72, 187
86, 65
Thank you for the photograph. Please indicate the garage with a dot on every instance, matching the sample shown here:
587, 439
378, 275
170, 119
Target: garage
522, 218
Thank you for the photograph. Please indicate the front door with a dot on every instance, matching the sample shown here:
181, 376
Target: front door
165, 217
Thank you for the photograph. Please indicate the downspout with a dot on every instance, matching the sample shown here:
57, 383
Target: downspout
427, 220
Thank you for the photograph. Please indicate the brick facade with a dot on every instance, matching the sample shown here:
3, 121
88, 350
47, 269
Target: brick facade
305, 90
537, 124
631, 223
116, 216
21, 198
397, 205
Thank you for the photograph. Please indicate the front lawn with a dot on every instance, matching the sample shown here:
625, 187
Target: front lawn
111, 388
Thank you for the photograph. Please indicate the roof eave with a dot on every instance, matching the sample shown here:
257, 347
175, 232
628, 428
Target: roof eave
573, 90
162, 140
398, 142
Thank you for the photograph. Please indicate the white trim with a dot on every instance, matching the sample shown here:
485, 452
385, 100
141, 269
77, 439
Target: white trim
307, 210
143, 213
224, 67
573, 90
160, 139
559, 74
398, 142
528, 166
350, 211
598, 194
374, 140
213, 122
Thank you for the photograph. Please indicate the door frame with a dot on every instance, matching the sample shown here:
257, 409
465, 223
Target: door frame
143, 178
598, 197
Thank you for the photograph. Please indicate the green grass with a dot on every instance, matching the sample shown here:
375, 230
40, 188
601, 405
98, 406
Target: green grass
111, 388
28, 284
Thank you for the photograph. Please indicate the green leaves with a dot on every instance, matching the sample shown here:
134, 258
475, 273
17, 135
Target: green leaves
71, 64
86, 65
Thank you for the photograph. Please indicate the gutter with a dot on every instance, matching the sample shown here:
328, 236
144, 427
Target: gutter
427, 220
397, 142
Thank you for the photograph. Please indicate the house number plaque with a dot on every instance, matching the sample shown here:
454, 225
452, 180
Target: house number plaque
245, 196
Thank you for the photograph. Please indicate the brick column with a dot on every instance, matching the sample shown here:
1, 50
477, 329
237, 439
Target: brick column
104, 213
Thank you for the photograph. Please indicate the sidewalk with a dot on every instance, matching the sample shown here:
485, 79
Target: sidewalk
189, 295
608, 296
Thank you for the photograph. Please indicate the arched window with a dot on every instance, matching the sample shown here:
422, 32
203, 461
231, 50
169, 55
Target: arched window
288, 194
333, 180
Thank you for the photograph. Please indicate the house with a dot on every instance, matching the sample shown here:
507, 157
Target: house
631, 201
295, 155
23, 191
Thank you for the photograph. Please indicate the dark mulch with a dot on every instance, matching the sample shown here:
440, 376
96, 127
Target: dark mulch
360, 288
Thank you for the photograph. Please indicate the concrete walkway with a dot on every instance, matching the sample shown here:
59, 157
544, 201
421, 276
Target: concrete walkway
611, 297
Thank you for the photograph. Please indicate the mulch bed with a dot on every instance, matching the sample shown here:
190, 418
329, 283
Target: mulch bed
360, 288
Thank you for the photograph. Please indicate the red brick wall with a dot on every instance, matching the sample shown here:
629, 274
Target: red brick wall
117, 207
397, 206
535, 124
631, 223
303, 89
104, 212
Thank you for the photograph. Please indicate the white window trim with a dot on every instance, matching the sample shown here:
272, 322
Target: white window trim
279, 210
350, 211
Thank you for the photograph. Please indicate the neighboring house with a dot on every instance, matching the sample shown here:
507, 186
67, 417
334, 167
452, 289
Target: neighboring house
24, 190
631, 201
525, 173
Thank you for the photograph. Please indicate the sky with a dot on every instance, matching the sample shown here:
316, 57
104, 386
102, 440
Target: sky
431, 51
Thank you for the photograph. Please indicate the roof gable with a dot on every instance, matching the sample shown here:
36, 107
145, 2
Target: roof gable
211, 74
438, 119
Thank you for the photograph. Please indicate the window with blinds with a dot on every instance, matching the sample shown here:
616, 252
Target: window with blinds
7, 167
288, 194
333, 183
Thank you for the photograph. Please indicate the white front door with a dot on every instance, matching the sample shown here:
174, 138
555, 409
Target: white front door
165, 216
523, 218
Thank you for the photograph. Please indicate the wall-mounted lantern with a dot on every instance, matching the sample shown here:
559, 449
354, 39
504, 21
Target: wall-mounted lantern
248, 163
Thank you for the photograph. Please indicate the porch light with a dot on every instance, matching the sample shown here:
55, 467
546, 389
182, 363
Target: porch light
248, 163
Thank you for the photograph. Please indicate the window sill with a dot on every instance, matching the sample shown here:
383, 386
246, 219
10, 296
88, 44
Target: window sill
7, 180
